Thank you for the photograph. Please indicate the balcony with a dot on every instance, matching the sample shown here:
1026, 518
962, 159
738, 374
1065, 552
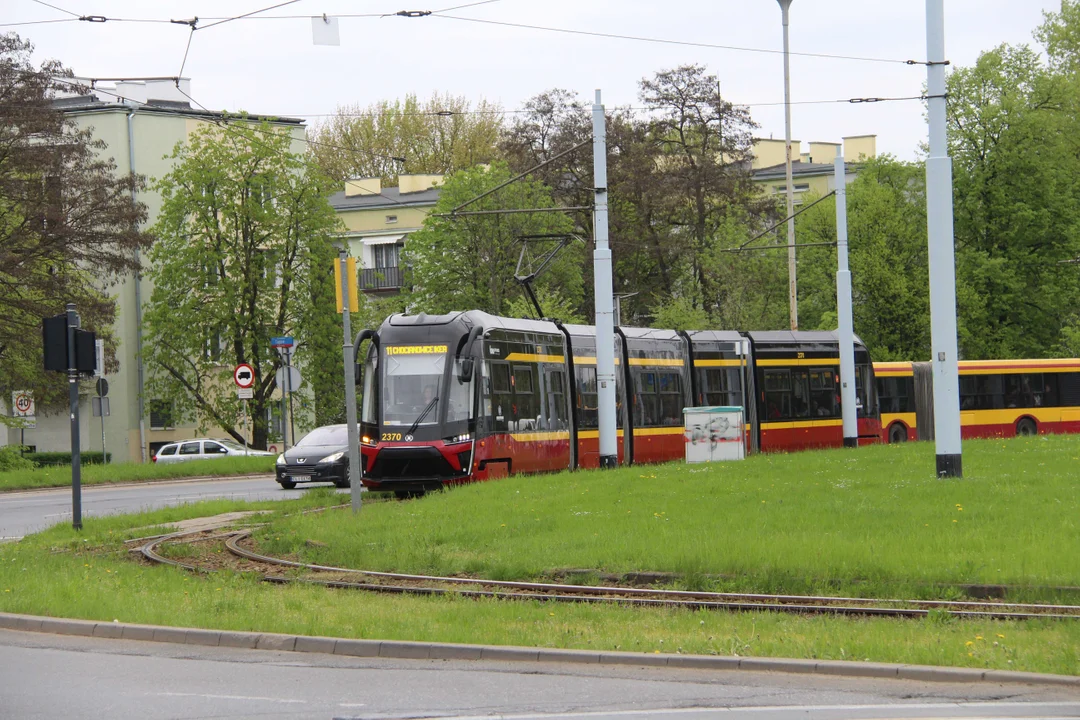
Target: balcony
385, 278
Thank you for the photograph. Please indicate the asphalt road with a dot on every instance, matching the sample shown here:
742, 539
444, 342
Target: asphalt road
22, 513
50, 676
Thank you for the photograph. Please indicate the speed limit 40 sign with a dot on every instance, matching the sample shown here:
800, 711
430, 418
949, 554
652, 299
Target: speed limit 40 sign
22, 403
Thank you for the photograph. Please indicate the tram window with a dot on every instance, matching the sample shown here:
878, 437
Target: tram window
800, 389
824, 393
646, 402
777, 394
720, 386
671, 399
502, 400
586, 396
460, 405
526, 405
556, 400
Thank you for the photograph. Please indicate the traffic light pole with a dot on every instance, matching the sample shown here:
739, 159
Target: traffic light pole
73, 406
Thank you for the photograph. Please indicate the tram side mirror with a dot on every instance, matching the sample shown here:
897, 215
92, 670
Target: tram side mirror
465, 371
358, 374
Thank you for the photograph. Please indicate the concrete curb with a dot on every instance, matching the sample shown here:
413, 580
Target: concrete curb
401, 650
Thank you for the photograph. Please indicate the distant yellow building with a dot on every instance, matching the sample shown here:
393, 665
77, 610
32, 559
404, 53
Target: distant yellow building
378, 220
812, 171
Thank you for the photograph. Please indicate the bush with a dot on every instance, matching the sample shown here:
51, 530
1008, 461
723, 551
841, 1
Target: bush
46, 459
11, 458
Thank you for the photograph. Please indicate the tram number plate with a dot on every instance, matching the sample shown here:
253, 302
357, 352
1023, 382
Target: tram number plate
391, 436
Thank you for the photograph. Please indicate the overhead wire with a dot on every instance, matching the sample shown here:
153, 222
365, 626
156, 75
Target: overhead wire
246, 15
255, 15
54, 7
666, 41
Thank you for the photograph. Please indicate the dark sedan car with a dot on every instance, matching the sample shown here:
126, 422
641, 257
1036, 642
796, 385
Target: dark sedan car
321, 456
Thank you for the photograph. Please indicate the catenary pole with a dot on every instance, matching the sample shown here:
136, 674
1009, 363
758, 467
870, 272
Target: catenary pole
350, 385
793, 298
605, 325
939, 221
73, 407
845, 324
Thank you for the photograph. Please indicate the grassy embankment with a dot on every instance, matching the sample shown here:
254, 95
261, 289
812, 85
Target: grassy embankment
96, 474
861, 521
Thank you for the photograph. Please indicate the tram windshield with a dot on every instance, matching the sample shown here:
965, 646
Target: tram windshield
411, 388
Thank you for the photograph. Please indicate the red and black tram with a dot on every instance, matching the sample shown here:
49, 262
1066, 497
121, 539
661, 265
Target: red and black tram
470, 396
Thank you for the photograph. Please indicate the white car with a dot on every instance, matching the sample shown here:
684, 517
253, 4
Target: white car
203, 449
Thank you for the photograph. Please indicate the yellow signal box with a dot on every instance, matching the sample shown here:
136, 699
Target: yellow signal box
354, 299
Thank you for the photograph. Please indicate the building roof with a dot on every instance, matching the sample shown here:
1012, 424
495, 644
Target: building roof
388, 198
798, 167
93, 103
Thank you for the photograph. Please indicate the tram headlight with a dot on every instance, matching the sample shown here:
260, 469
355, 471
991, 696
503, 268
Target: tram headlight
366, 440
464, 437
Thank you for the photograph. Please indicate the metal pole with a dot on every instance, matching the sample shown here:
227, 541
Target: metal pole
845, 323
284, 401
350, 386
243, 404
292, 415
73, 406
605, 326
101, 404
939, 223
793, 300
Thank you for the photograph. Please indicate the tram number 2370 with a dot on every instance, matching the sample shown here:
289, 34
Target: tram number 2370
391, 436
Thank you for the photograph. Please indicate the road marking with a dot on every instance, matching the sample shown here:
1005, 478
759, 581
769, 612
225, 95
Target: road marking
234, 697
58, 514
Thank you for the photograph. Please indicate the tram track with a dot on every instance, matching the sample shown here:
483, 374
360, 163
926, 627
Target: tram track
269, 569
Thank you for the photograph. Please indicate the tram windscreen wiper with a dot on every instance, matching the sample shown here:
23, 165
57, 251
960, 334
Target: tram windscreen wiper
422, 415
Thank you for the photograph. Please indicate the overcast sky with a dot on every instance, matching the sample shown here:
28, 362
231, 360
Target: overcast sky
272, 66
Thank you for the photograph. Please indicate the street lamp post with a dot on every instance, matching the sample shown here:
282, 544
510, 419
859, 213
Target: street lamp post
793, 302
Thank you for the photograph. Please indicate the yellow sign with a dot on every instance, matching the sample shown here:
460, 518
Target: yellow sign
350, 268
415, 349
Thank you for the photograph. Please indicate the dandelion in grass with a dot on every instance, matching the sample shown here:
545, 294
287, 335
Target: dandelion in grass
978, 637
1001, 636
969, 643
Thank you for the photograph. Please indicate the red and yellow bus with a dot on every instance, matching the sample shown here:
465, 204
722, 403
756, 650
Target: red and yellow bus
998, 398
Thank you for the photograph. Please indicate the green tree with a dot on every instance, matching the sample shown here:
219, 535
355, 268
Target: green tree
243, 254
68, 223
469, 262
1012, 126
441, 135
887, 254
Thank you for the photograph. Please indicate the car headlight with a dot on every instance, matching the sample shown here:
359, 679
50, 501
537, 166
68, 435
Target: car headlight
332, 458
280, 459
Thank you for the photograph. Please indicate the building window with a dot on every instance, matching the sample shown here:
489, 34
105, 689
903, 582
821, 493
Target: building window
391, 219
161, 415
799, 188
387, 256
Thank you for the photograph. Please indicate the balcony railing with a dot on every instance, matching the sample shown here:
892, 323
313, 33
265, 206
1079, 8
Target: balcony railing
386, 278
